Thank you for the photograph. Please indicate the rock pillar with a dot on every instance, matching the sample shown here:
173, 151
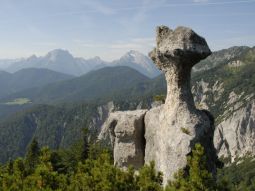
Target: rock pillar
172, 130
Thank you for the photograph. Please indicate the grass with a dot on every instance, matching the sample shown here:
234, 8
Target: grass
18, 101
184, 130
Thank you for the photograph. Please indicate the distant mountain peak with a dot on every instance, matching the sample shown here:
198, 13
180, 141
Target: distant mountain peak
59, 51
33, 57
138, 61
136, 57
62, 61
59, 54
96, 59
133, 53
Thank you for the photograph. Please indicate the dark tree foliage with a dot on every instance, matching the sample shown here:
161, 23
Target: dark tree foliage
240, 175
197, 177
85, 144
53, 170
32, 155
95, 173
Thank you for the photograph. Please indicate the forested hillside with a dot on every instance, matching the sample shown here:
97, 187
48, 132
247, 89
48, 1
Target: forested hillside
89, 166
28, 78
103, 83
59, 125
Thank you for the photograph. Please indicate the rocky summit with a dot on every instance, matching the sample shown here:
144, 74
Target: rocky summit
170, 131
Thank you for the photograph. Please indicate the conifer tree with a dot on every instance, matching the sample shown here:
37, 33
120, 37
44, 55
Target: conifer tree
9, 167
85, 144
32, 155
197, 176
148, 179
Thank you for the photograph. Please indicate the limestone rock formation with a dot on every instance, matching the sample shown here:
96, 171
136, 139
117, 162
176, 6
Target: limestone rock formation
171, 129
235, 136
126, 131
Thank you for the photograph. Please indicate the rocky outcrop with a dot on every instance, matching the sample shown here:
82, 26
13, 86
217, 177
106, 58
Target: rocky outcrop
171, 129
235, 136
101, 115
126, 133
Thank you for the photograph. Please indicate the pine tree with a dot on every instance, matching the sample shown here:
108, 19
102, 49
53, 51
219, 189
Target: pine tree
9, 167
148, 179
85, 146
197, 176
32, 155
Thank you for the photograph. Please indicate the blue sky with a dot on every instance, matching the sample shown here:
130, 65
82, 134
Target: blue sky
109, 28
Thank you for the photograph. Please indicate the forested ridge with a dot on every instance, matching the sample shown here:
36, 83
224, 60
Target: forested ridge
87, 165
72, 160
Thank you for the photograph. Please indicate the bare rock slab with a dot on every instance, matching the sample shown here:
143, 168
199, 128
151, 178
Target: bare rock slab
235, 136
126, 131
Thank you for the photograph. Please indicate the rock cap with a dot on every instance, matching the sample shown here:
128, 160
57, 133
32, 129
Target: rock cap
181, 46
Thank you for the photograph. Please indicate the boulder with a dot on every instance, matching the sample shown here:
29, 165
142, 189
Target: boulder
126, 131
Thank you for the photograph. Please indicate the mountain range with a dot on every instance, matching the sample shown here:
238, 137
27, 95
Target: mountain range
223, 84
28, 78
62, 61
102, 83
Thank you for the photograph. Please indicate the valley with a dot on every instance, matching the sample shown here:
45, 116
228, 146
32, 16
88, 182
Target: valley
84, 102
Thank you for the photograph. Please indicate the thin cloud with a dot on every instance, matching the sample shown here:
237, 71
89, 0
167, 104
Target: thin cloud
246, 40
131, 44
50, 44
200, 1
94, 45
147, 5
161, 4
99, 7
140, 16
134, 44
143, 9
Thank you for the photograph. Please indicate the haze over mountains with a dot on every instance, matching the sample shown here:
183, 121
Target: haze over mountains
224, 84
28, 78
103, 83
62, 61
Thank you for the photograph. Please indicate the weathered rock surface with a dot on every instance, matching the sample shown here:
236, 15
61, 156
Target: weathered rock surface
235, 136
126, 130
102, 114
172, 129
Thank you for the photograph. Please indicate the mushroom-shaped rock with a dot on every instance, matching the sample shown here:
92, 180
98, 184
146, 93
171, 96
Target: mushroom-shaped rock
172, 129
176, 53
179, 47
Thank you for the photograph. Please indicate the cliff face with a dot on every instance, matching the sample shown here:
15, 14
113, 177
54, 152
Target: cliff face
171, 130
227, 91
235, 136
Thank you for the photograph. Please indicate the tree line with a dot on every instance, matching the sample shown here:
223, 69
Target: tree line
88, 166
